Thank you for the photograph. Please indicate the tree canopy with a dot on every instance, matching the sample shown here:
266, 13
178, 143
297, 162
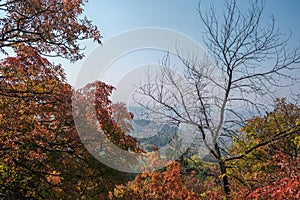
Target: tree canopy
52, 27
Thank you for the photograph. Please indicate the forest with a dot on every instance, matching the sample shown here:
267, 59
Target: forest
52, 134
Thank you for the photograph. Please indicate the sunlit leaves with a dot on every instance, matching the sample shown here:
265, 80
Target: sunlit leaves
53, 27
35, 111
39, 141
272, 170
156, 185
91, 104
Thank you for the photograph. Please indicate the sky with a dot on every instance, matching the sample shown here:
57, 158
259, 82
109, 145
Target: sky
115, 17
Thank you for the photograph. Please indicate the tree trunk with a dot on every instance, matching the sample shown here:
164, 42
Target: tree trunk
225, 181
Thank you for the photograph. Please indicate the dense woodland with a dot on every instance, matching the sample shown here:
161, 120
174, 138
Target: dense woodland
43, 157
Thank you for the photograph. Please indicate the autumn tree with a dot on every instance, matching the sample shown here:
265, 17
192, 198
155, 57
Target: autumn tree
34, 120
52, 27
94, 118
215, 95
156, 185
41, 154
270, 171
98, 117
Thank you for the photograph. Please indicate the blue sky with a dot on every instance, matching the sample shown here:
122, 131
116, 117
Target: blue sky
116, 16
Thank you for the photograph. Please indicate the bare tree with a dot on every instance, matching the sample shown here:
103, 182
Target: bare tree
216, 95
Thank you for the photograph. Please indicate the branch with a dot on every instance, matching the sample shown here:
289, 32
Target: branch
276, 137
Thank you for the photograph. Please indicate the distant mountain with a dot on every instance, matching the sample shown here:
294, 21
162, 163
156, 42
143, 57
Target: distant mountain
150, 133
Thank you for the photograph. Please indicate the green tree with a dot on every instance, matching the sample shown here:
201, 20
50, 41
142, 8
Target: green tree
271, 169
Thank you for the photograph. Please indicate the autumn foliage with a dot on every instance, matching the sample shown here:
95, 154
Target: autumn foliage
272, 170
34, 122
156, 185
53, 27
48, 128
269, 171
42, 156
91, 103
